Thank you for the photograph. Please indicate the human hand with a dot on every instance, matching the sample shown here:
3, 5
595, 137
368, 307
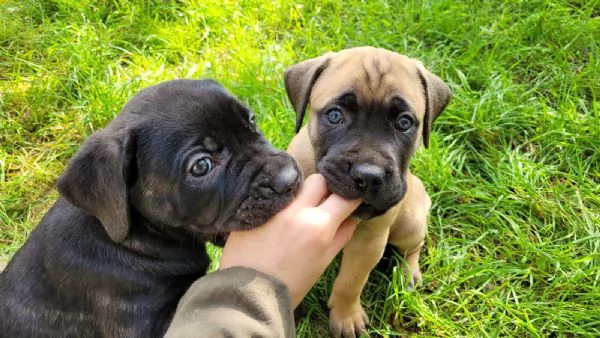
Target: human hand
297, 244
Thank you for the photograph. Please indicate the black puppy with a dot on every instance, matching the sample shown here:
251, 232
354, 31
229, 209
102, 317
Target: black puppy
183, 163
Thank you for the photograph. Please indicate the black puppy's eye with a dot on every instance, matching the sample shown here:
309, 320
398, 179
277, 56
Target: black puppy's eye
201, 167
334, 116
404, 122
253, 120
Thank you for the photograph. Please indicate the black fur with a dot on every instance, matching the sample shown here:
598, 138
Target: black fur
127, 237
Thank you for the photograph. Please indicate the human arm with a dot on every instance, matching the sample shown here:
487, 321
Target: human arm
265, 272
234, 302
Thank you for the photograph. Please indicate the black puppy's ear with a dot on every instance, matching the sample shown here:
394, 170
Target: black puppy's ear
96, 180
299, 80
437, 95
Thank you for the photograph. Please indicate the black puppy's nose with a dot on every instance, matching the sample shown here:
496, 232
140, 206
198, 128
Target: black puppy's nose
285, 180
367, 176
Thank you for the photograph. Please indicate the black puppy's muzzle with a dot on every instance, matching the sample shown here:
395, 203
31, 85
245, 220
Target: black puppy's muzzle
273, 185
280, 174
286, 180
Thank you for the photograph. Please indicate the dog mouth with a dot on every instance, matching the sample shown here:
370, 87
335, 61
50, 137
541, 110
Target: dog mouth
251, 213
263, 192
261, 204
376, 200
256, 210
369, 208
367, 211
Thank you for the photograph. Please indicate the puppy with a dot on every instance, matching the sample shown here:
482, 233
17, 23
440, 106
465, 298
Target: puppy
369, 109
183, 163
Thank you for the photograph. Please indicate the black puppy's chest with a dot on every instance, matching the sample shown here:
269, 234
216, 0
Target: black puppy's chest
93, 286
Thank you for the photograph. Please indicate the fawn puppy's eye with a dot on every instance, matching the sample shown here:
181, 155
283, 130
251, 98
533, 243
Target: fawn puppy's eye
334, 116
404, 122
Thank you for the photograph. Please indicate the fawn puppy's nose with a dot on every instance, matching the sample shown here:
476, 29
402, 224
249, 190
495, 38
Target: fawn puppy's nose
367, 176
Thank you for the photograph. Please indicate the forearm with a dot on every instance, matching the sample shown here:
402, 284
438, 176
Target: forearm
235, 302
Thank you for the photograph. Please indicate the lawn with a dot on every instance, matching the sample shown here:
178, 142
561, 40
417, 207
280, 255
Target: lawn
513, 166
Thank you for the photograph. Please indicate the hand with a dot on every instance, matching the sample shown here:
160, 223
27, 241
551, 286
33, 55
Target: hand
297, 244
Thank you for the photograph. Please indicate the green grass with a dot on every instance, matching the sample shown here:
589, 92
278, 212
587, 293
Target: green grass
513, 167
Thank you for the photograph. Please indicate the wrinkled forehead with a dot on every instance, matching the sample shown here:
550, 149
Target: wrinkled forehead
373, 76
206, 119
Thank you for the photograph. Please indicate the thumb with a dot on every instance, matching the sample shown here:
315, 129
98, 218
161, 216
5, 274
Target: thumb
343, 234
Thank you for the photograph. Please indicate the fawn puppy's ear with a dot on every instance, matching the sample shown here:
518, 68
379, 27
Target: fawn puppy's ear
437, 95
299, 80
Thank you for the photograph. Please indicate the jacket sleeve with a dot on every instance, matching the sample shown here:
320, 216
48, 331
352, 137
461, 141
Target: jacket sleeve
234, 302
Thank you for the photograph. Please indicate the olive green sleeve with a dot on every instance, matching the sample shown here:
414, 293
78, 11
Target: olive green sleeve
234, 302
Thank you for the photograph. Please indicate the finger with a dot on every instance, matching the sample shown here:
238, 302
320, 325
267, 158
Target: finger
339, 208
343, 235
312, 192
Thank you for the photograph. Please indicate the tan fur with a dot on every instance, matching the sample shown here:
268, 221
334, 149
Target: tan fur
376, 74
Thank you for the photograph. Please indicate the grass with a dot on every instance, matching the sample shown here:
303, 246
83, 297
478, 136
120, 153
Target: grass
513, 167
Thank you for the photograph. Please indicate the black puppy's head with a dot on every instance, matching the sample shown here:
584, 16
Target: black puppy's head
185, 155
